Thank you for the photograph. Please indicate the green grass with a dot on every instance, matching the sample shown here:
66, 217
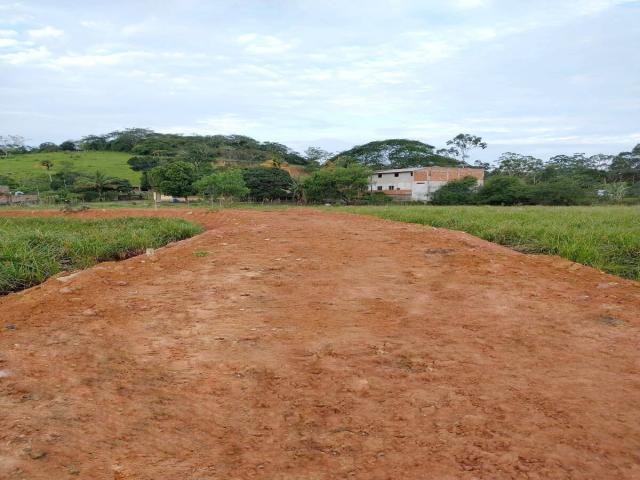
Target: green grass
33, 249
111, 163
607, 238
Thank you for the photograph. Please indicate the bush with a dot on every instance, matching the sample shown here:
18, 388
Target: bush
501, 190
268, 183
343, 184
456, 192
562, 191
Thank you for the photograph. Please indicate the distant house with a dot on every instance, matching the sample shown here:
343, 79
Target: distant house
418, 184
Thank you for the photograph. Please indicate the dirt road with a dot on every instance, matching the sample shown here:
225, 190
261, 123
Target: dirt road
310, 345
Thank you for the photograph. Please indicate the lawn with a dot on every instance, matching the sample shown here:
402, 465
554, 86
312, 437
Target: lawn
111, 163
607, 238
33, 249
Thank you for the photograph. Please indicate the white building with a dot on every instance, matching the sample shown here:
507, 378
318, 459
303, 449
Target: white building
418, 184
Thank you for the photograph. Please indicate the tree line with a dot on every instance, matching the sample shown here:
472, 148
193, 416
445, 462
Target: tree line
236, 166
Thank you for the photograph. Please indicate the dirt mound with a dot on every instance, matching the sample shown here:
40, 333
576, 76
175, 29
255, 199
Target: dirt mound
299, 344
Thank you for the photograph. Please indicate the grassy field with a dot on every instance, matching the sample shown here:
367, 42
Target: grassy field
33, 249
111, 163
607, 238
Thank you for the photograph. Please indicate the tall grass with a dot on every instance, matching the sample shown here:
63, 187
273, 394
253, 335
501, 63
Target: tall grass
33, 249
607, 238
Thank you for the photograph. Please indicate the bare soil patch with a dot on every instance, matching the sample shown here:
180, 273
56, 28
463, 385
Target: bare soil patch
321, 345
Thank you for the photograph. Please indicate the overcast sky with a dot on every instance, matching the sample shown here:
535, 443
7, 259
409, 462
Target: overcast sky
535, 77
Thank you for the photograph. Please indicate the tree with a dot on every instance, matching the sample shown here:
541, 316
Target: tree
463, 143
68, 146
456, 192
560, 191
143, 164
524, 166
502, 190
618, 190
268, 183
336, 184
100, 183
175, 179
626, 166
316, 156
395, 153
200, 154
223, 185
12, 144
48, 147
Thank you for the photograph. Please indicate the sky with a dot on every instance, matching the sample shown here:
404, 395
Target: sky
537, 77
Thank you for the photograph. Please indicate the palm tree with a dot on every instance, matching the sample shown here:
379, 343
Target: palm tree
98, 182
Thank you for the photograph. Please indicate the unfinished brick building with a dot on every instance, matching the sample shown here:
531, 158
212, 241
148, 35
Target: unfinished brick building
418, 184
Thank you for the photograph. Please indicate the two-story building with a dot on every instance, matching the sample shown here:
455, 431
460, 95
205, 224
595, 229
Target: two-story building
419, 183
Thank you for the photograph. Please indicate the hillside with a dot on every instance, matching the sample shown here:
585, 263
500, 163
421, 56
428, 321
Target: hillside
111, 163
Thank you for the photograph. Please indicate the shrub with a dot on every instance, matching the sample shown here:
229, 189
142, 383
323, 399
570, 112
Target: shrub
501, 190
562, 191
268, 183
343, 184
456, 192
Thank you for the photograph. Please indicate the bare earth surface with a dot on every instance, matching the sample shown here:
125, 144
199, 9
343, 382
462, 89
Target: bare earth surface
311, 345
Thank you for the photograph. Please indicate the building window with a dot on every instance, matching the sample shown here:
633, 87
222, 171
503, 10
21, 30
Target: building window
379, 187
411, 173
396, 174
379, 175
390, 187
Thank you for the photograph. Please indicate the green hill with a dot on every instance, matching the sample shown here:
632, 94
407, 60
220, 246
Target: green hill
27, 165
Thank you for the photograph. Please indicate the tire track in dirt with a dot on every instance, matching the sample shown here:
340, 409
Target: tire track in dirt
322, 345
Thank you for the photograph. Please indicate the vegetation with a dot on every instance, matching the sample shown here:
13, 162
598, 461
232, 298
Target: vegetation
224, 185
395, 153
456, 192
22, 168
175, 179
268, 183
341, 184
110, 166
33, 249
607, 238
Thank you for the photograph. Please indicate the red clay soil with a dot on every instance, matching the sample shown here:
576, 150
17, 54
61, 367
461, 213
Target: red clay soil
310, 345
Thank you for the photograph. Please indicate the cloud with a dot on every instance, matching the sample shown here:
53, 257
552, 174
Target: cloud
469, 4
26, 56
263, 44
225, 124
8, 33
45, 32
8, 42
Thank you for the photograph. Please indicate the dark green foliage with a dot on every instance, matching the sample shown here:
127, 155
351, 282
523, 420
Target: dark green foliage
175, 179
143, 164
68, 146
457, 192
33, 249
396, 153
501, 190
561, 191
268, 183
626, 166
343, 185
48, 147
